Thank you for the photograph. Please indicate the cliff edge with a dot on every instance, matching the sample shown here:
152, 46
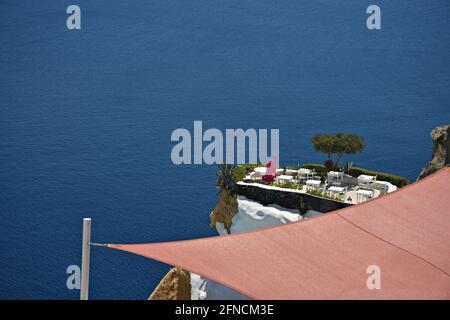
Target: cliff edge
176, 285
441, 151
225, 209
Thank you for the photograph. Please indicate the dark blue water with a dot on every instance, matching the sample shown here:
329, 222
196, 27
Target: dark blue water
86, 116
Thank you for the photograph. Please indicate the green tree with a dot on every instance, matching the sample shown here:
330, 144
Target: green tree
338, 144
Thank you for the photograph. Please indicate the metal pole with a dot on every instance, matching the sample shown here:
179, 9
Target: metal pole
84, 292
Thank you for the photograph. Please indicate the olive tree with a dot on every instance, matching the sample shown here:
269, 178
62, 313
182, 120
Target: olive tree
338, 144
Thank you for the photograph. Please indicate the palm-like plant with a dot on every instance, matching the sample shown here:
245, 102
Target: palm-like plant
226, 180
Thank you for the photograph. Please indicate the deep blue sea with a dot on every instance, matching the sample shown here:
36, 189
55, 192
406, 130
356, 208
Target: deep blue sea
86, 115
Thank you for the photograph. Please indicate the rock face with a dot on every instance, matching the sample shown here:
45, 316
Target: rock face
176, 285
225, 209
441, 151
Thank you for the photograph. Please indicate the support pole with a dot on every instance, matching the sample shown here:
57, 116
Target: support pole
85, 259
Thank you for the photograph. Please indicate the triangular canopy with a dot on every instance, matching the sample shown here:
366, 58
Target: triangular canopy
405, 233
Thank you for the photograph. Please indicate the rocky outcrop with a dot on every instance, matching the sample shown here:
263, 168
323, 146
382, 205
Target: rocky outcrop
225, 209
176, 285
441, 151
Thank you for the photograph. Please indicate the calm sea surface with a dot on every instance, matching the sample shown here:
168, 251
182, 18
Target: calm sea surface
86, 116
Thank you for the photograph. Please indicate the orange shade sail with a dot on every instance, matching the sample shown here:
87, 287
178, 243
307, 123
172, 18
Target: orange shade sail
405, 233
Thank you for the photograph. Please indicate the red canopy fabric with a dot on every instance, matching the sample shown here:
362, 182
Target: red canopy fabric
405, 233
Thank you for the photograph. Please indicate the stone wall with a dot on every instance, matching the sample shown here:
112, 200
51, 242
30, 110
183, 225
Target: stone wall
290, 200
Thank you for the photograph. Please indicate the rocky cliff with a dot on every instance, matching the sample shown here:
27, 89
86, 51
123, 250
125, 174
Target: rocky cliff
441, 151
176, 285
225, 209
